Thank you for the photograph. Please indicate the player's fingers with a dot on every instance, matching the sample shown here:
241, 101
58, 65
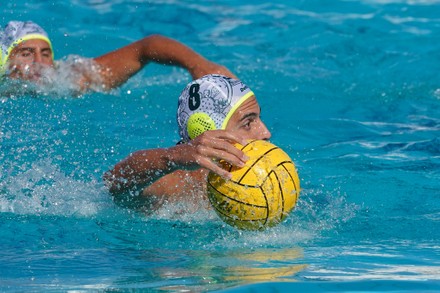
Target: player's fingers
223, 151
222, 135
210, 165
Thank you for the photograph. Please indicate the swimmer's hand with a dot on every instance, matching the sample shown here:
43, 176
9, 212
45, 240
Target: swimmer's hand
209, 148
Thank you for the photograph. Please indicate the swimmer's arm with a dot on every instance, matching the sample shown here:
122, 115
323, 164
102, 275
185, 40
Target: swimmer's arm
142, 168
118, 66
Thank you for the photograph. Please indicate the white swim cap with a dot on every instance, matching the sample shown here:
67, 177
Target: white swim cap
208, 103
16, 32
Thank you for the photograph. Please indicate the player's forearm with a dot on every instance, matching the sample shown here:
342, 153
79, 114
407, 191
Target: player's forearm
118, 66
167, 51
142, 168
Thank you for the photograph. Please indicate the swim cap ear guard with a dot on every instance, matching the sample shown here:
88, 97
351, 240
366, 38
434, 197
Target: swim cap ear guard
208, 103
199, 123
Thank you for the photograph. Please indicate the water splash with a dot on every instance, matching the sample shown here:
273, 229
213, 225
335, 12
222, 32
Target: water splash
44, 190
71, 76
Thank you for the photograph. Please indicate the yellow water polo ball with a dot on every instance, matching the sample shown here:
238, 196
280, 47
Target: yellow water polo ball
261, 194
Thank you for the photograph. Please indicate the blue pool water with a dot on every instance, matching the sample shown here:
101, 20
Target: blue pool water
350, 89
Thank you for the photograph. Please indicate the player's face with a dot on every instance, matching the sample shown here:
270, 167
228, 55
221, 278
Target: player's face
29, 58
246, 121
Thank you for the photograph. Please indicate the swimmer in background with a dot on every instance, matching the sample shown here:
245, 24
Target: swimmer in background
214, 112
26, 53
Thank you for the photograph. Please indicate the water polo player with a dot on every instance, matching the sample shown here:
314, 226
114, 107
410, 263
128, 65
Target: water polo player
26, 52
214, 112
26, 49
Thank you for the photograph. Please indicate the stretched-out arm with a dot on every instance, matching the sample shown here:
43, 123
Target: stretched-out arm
118, 66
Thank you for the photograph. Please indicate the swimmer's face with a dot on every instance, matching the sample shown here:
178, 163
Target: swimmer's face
29, 58
246, 121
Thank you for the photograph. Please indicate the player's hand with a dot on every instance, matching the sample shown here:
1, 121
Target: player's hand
212, 146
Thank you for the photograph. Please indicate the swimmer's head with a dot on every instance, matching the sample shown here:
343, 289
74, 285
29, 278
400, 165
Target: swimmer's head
17, 33
208, 103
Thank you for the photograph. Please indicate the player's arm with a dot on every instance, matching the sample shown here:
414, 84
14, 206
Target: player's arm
142, 168
118, 66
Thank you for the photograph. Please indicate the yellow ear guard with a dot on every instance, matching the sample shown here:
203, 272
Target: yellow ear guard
199, 123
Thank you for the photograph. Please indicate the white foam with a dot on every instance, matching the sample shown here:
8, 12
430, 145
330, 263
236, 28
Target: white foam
67, 78
380, 272
44, 189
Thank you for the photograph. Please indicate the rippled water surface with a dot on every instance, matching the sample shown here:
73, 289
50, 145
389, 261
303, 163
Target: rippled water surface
350, 89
